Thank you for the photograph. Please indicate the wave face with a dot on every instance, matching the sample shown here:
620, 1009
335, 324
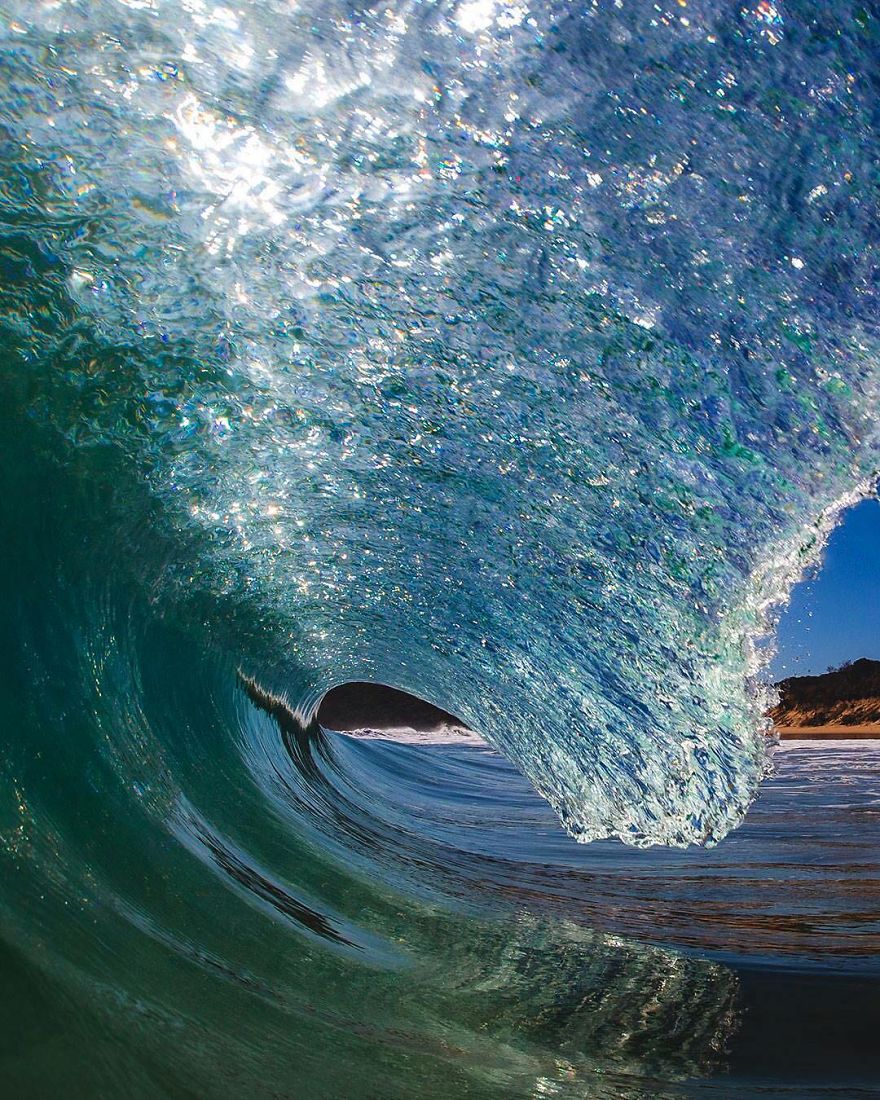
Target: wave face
515, 358
508, 357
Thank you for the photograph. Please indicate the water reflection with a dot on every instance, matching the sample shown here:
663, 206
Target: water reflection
799, 880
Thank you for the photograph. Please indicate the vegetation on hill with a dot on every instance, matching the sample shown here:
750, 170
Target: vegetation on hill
844, 696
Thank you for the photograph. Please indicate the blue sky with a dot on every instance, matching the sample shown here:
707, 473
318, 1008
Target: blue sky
835, 615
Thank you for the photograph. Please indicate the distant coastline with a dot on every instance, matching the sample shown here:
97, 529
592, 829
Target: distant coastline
841, 704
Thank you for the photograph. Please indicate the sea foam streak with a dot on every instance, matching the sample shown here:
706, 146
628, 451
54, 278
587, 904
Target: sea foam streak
509, 356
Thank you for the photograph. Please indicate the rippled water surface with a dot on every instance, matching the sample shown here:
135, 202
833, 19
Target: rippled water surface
798, 879
519, 357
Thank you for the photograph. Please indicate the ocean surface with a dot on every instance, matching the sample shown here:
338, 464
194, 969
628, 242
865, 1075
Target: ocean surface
520, 358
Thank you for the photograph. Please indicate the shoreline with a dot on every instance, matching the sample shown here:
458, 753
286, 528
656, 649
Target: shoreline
828, 733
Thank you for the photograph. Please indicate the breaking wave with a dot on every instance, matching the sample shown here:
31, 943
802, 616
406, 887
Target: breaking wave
518, 358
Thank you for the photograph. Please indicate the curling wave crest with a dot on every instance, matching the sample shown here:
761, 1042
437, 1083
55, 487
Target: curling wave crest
516, 356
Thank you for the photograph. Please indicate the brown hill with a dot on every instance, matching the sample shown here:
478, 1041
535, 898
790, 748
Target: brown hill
847, 696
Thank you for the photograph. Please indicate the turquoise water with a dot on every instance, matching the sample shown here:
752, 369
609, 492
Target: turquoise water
520, 359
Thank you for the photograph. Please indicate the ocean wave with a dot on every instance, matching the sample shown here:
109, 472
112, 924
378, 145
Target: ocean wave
518, 359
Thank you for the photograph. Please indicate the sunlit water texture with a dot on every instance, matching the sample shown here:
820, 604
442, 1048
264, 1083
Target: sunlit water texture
516, 357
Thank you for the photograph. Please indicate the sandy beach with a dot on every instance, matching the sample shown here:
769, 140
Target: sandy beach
829, 733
